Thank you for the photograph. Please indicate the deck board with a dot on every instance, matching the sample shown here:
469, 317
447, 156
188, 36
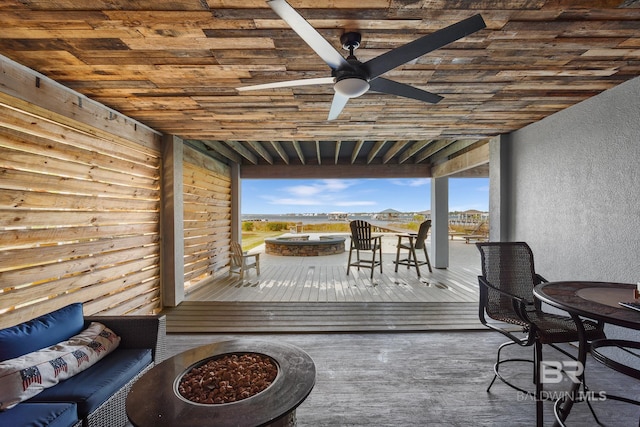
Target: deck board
294, 294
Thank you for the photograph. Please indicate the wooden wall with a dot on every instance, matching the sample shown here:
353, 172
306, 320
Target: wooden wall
207, 218
79, 205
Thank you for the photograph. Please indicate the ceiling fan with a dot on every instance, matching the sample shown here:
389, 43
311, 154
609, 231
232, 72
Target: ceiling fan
352, 78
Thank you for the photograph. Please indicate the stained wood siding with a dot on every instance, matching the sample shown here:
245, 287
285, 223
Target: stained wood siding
79, 217
207, 218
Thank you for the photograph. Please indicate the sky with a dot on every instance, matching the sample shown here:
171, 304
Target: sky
285, 196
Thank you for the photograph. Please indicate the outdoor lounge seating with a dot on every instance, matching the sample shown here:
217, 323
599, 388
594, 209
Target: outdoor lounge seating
506, 295
242, 261
363, 241
77, 370
475, 234
410, 242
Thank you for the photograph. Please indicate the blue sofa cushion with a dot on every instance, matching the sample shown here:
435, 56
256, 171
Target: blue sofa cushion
93, 386
40, 415
41, 332
27, 375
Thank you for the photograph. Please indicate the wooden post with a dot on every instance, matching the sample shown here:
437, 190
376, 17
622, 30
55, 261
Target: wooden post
172, 222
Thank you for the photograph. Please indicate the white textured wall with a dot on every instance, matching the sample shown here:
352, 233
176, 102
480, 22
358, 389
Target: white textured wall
573, 184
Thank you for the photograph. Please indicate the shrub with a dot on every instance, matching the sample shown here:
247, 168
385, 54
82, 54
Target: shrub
247, 226
277, 226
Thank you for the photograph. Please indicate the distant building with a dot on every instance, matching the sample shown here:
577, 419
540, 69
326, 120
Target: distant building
338, 216
388, 215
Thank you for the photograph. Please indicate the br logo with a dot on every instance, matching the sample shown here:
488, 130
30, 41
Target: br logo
551, 372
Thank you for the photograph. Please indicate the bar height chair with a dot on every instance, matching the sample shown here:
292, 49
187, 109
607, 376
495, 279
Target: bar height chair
506, 295
363, 241
410, 242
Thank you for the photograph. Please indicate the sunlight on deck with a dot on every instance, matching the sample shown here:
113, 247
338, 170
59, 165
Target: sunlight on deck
325, 279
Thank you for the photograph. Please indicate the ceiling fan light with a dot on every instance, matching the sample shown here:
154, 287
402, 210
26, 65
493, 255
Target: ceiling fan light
351, 87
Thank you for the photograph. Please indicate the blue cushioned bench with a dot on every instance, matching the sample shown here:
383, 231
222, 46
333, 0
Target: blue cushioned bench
95, 396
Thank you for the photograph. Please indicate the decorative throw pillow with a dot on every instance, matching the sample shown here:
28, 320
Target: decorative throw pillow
25, 376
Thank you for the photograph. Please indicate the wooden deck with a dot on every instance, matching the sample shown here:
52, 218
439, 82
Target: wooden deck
316, 294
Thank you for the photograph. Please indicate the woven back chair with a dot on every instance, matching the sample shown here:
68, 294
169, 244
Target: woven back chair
411, 242
506, 295
362, 240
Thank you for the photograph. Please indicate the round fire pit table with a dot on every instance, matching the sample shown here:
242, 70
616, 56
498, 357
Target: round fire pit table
154, 400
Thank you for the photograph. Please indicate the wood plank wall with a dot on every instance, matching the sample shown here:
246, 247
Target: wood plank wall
79, 217
207, 218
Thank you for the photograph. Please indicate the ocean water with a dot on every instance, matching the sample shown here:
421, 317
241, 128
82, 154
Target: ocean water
316, 218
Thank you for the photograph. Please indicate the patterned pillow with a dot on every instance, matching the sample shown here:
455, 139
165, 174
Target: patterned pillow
25, 376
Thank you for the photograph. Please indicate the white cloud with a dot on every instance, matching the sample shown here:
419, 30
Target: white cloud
327, 192
318, 188
417, 182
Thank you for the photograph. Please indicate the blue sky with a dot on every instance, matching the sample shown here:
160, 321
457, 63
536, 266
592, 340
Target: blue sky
282, 196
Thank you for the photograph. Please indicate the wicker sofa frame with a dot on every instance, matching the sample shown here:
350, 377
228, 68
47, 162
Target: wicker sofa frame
135, 332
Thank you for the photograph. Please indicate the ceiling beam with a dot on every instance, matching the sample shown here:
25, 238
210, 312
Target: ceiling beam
259, 148
296, 146
318, 152
432, 148
204, 149
471, 159
412, 150
374, 151
240, 149
280, 150
223, 150
356, 151
395, 148
407, 170
452, 149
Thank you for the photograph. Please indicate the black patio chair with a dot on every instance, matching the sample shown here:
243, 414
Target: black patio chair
363, 240
410, 242
506, 295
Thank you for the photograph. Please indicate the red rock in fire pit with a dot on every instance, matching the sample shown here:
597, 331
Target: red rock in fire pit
228, 378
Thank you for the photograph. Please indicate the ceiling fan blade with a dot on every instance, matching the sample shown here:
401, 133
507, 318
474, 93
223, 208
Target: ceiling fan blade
400, 89
410, 51
290, 83
310, 35
339, 101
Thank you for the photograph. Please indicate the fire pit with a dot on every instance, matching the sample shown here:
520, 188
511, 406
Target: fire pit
227, 378
302, 245
156, 399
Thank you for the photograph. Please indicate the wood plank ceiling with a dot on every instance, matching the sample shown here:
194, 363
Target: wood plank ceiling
175, 65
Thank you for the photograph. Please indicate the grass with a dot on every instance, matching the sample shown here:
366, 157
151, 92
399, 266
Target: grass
254, 233
251, 239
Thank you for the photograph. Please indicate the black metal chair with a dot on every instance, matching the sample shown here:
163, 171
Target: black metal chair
506, 295
363, 240
411, 242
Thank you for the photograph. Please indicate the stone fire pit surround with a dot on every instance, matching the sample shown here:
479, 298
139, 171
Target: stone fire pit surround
303, 245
